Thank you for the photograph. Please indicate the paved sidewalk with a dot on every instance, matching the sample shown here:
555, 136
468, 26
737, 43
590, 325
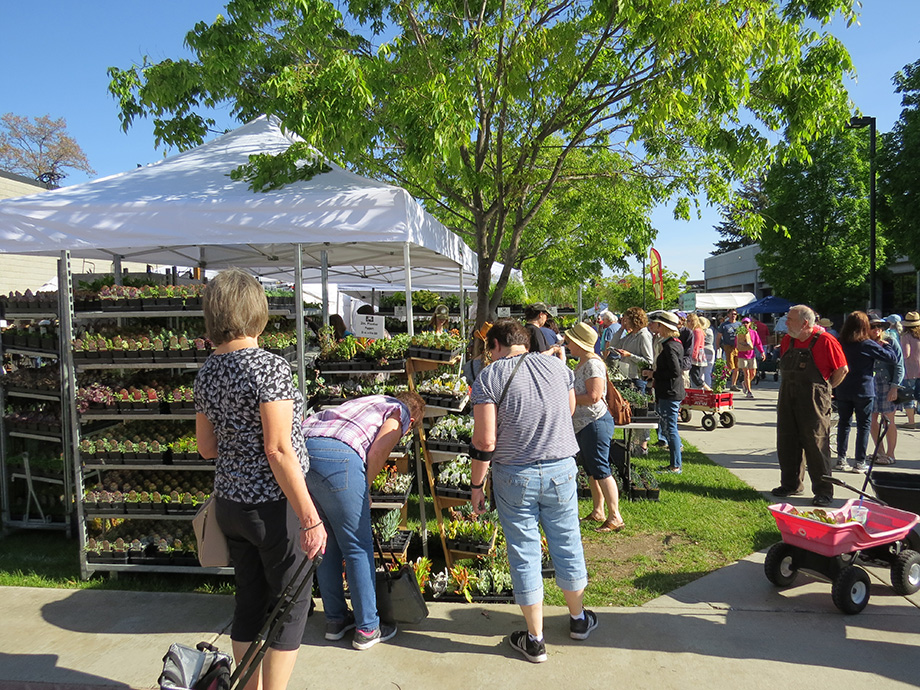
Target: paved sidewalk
730, 628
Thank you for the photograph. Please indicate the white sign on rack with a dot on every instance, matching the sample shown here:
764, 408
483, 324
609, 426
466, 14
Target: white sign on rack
554, 311
367, 326
502, 312
399, 312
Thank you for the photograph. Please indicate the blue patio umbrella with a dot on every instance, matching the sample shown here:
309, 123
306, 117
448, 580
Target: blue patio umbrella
766, 305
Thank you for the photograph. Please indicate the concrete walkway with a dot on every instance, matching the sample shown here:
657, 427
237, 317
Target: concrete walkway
731, 628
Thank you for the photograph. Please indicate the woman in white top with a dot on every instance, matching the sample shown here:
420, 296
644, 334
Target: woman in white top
594, 427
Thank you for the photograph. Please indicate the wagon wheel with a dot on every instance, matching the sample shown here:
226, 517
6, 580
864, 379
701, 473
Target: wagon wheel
708, 422
684, 415
850, 589
727, 419
905, 573
779, 565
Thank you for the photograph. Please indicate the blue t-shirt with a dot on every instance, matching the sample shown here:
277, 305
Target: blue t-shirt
729, 330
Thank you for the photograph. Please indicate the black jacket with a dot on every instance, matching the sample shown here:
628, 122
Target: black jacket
669, 378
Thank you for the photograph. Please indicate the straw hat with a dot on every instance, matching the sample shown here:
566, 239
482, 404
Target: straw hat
666, 318
825, 322
911, 320
582, 335
442, 311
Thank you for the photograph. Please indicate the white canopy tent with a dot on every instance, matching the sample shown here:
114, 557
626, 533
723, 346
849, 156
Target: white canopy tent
186, 211
715, 301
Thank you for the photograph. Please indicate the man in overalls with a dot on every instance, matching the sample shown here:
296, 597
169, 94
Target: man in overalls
812, 363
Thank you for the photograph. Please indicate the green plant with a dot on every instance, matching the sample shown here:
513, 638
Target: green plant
720, 374
387, 524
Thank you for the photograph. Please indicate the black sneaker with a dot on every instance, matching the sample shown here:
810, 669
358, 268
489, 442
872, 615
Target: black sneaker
532, 651
335, 630
783, 492
735, 388
581, 628
661, 443
363, 640
822, 501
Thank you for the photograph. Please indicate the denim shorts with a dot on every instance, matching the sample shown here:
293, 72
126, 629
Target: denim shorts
594, 446
527, 497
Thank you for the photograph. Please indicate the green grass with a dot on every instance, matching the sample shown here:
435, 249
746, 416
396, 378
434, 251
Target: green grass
707, 518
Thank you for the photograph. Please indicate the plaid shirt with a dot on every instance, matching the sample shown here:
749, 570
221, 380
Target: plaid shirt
356, 422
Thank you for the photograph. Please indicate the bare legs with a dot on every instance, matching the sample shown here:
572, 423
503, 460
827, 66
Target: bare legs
533, 613
604, 493
274, 671
888, 444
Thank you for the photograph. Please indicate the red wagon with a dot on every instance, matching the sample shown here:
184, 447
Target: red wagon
711, 404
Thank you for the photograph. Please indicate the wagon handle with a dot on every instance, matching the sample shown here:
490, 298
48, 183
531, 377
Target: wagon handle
840, 482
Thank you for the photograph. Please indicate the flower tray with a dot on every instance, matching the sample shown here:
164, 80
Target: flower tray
181, 509
453, 492
641, 493
141, 508
391, 499
120, 559
186, 559
399, 544
416, 352
448, 446
503, 598
189, 459
478, 547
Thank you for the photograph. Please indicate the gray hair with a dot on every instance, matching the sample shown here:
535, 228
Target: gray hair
608, 316
806, 313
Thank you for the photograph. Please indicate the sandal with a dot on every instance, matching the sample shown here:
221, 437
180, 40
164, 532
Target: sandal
883, 460
611, 526
590, 518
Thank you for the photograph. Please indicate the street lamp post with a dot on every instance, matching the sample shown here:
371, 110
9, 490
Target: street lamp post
859, 123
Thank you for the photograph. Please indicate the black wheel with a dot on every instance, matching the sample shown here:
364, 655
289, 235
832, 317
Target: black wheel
776, 377
851, 589
708, 422
779, 566
684, 415
727, 419
905, 573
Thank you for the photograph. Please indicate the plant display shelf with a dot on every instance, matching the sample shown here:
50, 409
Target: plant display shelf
31, 352
398, 546
438, 456
85, 365
32, 394
438, 410
142, 466
165, 312
390, 501
139, 568
114, 515
37, 435
116, 417
441, 503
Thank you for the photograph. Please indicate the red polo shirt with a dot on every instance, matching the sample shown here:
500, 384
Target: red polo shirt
827, 352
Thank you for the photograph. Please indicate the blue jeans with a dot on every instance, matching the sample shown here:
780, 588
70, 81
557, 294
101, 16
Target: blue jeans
845, 409
668, 411
338, 485
527, 497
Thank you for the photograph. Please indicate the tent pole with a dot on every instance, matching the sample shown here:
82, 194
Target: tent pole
116, 269
324, 265
407, 266
581, 314
298, 314
462, 320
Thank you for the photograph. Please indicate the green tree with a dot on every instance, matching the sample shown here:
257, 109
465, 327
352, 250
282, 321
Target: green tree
899, 168
751, 203
815, 244
40, 148
478, 109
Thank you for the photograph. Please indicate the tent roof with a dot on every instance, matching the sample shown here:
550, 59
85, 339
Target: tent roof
766, 305
186, 210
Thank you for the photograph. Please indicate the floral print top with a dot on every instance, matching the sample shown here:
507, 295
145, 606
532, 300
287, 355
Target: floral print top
228, 390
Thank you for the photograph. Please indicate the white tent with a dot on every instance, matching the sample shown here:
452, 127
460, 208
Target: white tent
186, 211
714, 301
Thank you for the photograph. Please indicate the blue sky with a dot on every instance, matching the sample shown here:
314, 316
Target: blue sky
55, 60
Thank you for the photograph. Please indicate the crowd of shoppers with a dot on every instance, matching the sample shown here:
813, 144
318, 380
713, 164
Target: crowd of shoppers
288, 489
